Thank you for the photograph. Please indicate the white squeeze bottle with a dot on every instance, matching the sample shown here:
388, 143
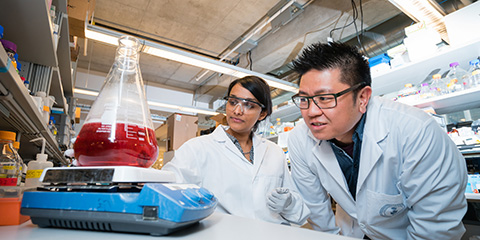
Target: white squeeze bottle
36, 167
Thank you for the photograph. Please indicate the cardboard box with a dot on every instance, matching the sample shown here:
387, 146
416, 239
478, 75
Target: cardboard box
219, 119
78, 112
78, 12
74, 51
181, 128
78, 9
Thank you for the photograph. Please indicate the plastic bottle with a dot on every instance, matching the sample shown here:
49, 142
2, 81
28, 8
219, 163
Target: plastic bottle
36, 167
17, 65
1, 32
10, 163
27, 84
436, 85
456, 78
118, 130
16, 146
11, 49
473, 73
278, 126
408, 91
426, 91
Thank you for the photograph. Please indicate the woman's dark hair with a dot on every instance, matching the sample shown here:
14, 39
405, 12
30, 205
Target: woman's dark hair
259, 89
322, 56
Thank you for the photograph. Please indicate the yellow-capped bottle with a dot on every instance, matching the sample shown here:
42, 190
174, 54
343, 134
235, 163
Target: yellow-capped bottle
10, 163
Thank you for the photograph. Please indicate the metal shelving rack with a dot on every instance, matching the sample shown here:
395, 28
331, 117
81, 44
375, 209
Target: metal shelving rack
27, 23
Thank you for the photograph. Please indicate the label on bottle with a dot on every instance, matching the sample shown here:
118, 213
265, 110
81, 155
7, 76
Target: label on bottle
34, 173
9, 167
8, 181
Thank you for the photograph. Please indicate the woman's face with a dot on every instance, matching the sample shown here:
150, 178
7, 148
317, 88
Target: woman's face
243, 110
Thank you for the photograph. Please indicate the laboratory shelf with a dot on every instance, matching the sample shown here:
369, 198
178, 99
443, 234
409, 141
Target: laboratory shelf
19, 113
286, 113
27, 24
56, 90
31, 30
417, 72
64, 61
452, 102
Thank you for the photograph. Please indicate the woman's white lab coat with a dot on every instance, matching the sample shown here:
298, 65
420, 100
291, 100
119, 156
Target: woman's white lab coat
411, 179
214, 162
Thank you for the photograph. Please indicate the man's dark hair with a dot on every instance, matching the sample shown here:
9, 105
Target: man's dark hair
322, 56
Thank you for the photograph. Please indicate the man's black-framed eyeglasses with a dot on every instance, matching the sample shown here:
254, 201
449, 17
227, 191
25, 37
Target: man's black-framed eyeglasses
246, 103
323, 101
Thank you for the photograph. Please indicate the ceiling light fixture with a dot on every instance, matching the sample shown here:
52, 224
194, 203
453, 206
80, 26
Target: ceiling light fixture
424, 10
163, 51
157, 104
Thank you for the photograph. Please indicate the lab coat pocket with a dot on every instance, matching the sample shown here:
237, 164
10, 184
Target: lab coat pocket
387, 211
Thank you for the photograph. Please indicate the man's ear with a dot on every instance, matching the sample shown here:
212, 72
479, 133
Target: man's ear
363, 97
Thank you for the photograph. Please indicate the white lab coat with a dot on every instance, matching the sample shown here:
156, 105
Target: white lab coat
214, 162
411, 179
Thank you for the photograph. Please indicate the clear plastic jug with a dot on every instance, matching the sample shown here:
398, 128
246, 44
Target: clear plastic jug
456, 78
118, 130
473, 73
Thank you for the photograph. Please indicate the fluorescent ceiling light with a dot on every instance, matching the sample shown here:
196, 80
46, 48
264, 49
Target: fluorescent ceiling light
157, 104
85, 92
424, 10
163, 51
102, 37
182, 108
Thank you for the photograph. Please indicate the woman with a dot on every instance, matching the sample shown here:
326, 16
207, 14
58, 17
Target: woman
247, 174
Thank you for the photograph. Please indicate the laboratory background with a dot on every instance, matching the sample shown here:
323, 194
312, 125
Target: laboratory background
55, 56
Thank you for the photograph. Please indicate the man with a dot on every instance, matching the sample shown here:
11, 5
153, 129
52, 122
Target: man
393, 172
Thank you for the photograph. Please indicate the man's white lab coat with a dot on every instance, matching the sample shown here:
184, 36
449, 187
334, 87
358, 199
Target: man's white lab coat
411, 179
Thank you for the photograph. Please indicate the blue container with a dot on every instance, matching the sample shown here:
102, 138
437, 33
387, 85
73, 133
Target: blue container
382, 58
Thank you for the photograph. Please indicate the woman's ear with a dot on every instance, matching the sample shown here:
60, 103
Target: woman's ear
263, 115
363, 97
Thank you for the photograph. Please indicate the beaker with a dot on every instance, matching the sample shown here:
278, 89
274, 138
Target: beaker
118, 130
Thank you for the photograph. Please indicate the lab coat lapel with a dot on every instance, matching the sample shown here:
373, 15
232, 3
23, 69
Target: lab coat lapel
325, 155
259, 148
373, 133
221, 136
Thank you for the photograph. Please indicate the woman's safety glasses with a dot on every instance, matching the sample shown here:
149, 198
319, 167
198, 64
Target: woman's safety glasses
244, 104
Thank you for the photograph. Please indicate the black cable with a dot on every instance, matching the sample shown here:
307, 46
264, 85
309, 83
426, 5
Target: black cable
250, 57
248, 61
335, 29
355, 13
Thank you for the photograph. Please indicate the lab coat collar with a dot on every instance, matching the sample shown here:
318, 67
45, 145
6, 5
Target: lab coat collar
324, 153
259, 146
374, 133
220, 135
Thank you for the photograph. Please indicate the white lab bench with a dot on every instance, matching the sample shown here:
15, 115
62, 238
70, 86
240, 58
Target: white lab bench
216, 226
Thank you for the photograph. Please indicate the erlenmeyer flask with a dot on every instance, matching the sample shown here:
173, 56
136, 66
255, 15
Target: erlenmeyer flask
118, 130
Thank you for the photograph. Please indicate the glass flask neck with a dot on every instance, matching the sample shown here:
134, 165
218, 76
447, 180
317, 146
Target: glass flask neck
127, 55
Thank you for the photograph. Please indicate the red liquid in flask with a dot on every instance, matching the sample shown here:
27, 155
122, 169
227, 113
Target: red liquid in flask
131, 145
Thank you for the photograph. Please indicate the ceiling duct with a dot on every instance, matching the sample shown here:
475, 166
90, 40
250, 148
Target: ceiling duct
377, 40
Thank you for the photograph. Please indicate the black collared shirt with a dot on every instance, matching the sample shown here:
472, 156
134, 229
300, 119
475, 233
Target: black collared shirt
350, 161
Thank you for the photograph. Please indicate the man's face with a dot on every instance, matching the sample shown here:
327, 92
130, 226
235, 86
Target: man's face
338, 122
